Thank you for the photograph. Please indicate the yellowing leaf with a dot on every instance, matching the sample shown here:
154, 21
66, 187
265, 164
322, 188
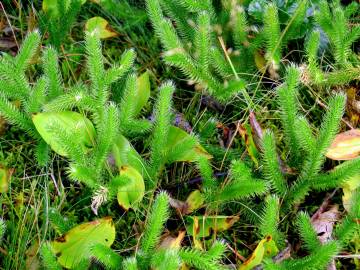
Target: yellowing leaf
349, 188
170, 242
202, 226
247, 137
194, 201
175, 141
345, 146
130, 193
101, 27
266, 248
70, 122
74, 246
260, 61
5, 175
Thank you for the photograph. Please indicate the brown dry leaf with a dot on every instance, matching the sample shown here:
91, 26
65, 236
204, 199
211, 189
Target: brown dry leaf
323, 223
352, 108
346, 146
170, 242
32, 261
181, 206
7, 43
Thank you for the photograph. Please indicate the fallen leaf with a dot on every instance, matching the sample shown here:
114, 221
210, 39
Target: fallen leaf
203, 226
194, 201
7, 43
323, 223
101, 27
32, 260
265, 249
247, 137
346, 146
170, 242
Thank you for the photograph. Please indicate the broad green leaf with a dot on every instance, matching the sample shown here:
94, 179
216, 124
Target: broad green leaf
130, 193
177, 138
51, 6
194, 201
349, 188
142, 92
202, 226
75, 245
265, 249
5, 175
345, 146
70, 122
101, 26
124, 154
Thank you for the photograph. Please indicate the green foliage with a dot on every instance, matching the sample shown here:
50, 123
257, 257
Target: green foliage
15, 88
82, 123
58, 19
270, 219
195, 63
149, 254
155, 223
2, 229
307, 232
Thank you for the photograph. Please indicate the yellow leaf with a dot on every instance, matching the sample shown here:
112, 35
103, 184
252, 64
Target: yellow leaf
194, 201
101, 27
260, 61
202, 226
346, 146
5, 176
349, 188
266, 248
170, 242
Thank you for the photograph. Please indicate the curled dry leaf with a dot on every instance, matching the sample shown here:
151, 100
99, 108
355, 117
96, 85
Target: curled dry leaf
171, 242
346, 146
203, 226
193, 202
323, 223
